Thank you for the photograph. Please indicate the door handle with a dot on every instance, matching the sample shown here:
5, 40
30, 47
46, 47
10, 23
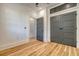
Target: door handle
61, 28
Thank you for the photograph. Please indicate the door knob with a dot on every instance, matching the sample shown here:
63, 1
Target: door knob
61, 28
25, 27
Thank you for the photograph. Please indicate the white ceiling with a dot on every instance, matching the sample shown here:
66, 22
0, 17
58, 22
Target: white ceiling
31, 7
28, 7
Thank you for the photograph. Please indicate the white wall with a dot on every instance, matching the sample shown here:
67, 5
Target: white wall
13, 19
32, 28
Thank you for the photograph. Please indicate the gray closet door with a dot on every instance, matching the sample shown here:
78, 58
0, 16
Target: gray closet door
56, 32
69, 28
63, 29
40, 29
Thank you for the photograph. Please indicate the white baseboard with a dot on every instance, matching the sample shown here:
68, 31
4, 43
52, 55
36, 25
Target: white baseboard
10, 45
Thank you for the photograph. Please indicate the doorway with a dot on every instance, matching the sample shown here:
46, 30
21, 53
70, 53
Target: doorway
40, 29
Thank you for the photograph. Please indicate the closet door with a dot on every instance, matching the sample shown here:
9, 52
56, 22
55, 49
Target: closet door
69, 28
56, 29
63, 29
40, 29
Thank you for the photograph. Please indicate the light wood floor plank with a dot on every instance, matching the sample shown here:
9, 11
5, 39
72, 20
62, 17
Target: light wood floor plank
38, 48
26, 50
48, 49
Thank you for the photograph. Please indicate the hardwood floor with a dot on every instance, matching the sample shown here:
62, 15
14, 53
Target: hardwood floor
37, 48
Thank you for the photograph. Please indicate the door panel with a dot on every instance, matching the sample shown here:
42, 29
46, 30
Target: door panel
63, 29
40, 29
69, 28
56, 32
